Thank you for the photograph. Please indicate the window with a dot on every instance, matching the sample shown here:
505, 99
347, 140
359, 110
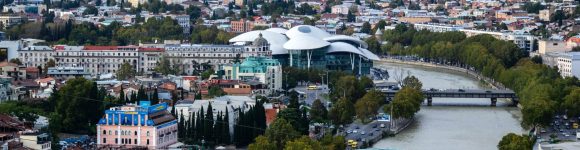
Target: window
104, 140
135, 134
147, 141
129, 141
147, 133
104, 132
135, 141
116, 141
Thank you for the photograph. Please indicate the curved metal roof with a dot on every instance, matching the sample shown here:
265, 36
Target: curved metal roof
305, 43
278, 30
307, 30
343, 47
276, 40
337, 38
368, 54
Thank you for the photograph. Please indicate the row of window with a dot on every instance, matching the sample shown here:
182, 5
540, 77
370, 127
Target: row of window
123, 132
125, 141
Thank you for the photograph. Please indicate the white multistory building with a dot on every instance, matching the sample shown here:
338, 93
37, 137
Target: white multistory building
569, 64
522, 39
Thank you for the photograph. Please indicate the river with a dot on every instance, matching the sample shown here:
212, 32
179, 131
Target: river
453, 123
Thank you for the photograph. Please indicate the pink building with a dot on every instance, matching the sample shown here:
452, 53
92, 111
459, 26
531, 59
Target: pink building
137, 126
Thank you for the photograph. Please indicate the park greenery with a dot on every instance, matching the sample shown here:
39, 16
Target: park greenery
513, 141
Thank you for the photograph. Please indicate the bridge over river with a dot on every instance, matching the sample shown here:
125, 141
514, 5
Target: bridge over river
462, 93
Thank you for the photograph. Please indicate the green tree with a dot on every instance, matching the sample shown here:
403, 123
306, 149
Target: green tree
366, 108
412, 82
537, 112
280, 132
572, 102
16, 61
406, 103
350, 17
215, 91
513, 141
79, 105
126, 71
330, 142
342, 112
348, 87
164, 66
205, 75
318, 112
366, 28
303, 143
262, 143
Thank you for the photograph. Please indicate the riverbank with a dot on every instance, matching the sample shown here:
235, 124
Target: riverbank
440, 123
473, 74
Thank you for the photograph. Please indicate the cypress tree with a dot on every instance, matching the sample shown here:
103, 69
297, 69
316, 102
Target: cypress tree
122, 95
200, 126
304, 121
209, 124
180, 127
260, 118
226, 135
155, 97
141, 94
218, 129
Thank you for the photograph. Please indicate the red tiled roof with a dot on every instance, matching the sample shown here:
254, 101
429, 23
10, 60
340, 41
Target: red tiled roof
238, 91
31, 69
59, 47
100, 48
5, 63
149, 49
271, 115
190, 77
45, 80
8, 122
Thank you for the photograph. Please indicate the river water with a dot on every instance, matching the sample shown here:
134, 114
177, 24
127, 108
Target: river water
452, 123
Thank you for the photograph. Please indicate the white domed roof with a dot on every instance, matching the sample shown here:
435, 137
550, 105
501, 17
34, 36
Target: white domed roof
276, 40
368, 54
305, 43
346, 47
336, 38
307, 30
277, 30
342, 47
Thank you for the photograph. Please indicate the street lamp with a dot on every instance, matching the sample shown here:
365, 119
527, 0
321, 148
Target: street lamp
202, 142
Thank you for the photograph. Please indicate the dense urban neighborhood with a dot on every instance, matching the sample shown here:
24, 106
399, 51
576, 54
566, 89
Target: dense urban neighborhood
290, 74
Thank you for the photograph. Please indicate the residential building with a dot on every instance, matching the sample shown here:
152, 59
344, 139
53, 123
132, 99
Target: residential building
545, 14
36, 141
265, 70
547, 45
12, 70
137, 126
68, 72
569, 64
5, 88
340, 9
34, 56
437, 28
10, 20
241, 25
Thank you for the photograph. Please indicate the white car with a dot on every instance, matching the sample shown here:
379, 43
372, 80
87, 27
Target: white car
363, 133
354, 131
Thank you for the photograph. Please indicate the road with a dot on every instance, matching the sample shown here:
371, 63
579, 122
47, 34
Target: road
312, 95
372, 130
559, 128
